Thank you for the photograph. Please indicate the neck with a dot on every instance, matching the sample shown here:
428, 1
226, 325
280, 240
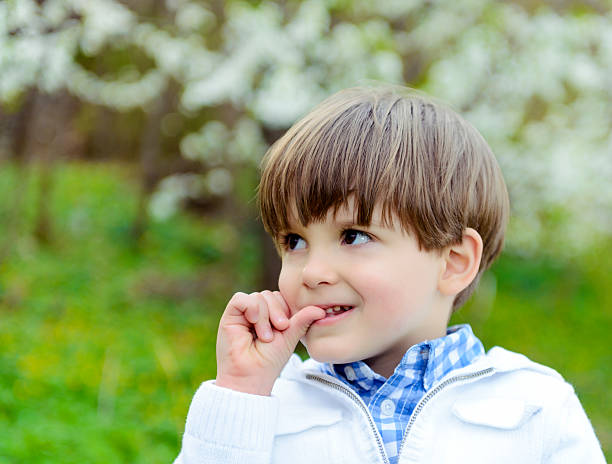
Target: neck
386, 363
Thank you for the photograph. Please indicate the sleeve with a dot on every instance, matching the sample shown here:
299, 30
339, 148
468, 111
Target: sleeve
576, 440
226, 427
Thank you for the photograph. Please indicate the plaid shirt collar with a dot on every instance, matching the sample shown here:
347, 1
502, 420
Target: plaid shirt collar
429, 361
391, 401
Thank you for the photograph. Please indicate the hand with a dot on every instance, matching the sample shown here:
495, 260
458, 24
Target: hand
256, 338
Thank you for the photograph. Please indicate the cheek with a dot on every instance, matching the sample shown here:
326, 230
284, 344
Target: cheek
376, 281
287, 285
393, 289
282, 281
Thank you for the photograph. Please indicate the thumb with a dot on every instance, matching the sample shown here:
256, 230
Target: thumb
301, 322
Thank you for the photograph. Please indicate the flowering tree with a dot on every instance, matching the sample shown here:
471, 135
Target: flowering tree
534, 82
538, 87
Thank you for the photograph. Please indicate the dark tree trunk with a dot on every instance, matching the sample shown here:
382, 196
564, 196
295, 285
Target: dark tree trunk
21, 131
150, 151
270, 259
271, 263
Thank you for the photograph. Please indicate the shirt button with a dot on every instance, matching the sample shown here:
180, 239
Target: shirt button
350, 373
387, 407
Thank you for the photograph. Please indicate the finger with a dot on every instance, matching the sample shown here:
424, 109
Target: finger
237, 307
276, 312
252, 312
283, 303
240, 307
301, 322
262, 326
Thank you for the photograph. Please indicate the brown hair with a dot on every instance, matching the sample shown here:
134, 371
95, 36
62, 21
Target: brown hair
416, 157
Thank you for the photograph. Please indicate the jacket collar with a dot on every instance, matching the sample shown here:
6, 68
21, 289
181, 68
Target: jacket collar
427, 362
497, 359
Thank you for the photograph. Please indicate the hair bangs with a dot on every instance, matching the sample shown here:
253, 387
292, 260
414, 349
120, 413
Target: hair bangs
326, 164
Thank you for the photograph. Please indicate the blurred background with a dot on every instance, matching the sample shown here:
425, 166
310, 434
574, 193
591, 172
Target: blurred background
130, 137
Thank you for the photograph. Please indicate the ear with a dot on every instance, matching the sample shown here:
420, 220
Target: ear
461, 263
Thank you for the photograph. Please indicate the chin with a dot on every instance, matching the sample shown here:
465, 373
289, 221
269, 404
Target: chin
324, 355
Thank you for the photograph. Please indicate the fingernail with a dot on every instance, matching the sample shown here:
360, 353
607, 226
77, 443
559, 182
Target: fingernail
267, 334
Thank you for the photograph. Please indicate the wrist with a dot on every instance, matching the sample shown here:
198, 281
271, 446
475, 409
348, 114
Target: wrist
232, 420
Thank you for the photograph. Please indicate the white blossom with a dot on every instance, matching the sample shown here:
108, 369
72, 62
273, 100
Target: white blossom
536, 84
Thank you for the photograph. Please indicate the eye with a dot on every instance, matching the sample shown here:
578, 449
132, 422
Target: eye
355, 237
293, 242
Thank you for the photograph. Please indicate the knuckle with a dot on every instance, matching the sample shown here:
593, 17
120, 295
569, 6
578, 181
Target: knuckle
237, 297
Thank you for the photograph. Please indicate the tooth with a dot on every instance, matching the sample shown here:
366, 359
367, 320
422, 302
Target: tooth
337, 309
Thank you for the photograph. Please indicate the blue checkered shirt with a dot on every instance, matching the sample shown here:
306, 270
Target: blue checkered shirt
391, 401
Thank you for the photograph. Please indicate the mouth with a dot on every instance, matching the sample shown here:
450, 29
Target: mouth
333, 314
332, 311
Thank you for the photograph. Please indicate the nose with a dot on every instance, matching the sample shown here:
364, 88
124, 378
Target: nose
318, 270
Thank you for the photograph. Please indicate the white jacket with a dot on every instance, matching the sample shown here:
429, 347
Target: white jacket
504, 408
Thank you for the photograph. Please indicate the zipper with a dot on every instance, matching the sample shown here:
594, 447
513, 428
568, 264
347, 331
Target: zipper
417, 410
357, 399
421, 404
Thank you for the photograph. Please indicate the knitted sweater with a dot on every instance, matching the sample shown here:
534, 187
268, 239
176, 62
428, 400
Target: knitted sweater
503, 408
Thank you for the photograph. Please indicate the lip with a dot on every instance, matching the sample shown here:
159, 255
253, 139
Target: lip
332, 319
326, 306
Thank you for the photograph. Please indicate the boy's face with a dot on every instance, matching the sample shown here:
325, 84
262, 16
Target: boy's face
390, 286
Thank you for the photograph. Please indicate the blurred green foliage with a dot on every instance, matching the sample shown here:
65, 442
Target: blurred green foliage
104, 339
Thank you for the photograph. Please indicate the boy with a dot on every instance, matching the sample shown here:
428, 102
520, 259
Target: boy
386, 209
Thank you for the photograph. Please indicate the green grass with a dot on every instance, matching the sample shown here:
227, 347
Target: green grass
104, 340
